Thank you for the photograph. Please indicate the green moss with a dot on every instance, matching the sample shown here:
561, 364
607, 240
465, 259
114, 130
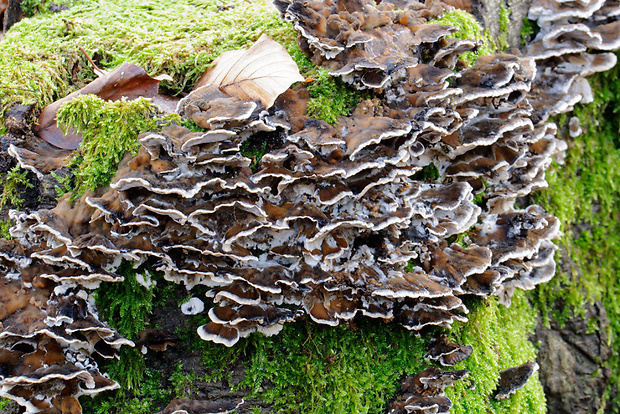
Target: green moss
309, 368
499, 337
504, 18
504, 22
191, 125
330, 98
4, 229
65, 185
183, 384
146, 397
411, 264
130, 371
32, 7
109, 130
4, 402
254, 150
584, 192
126, 305
478, 199
468, 28
14, 182
429, 172
462, 239
528, 30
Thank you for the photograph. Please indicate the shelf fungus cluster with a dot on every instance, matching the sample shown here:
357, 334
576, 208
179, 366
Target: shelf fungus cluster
424, 393
575, 40
333, 221
49, 333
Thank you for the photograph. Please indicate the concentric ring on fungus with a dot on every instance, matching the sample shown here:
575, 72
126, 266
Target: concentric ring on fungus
336, 221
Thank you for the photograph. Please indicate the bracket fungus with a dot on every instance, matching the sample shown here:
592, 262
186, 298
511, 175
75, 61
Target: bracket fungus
513, 379
334, 221
186, 406
49, 333
424, 393
448, 353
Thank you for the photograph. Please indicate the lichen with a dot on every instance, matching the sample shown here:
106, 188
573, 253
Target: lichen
468, 28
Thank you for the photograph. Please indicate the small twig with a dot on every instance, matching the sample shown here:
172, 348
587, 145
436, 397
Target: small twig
98, 71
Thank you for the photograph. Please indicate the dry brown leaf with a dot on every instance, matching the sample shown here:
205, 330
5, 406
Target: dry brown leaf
262, 72
128, 80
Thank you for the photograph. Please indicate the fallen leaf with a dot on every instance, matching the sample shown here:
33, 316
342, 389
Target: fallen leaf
262, 72
128, 80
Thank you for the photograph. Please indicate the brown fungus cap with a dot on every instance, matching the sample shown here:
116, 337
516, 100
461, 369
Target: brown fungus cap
448, 353
516, 234
424, 392
156, 340
513, 379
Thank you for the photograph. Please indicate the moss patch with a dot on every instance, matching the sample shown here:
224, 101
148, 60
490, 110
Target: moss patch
309, 368
330, 98
584, 191
468, 28
499, 337
529, 30
127, 307
146, 398
504, 22
109, 130
14, 182
4, 229
32, 7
